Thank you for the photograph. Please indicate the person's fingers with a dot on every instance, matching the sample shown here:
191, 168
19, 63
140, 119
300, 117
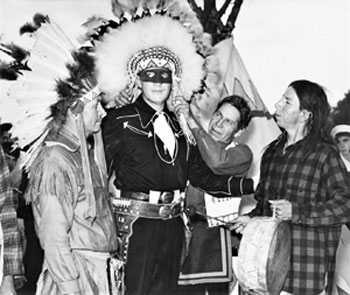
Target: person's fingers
122, 100
278, 202
181, 109
179, 100
178, 109
240, 229
238, 220
235, 226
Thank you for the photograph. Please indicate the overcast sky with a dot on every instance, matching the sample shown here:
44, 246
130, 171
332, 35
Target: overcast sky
279, 40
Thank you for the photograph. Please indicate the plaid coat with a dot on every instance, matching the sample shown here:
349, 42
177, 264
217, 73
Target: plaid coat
13, 251
316, 184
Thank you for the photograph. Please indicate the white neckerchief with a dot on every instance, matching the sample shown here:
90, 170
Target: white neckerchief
165, 133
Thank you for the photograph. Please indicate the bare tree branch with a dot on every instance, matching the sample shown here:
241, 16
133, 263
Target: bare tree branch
210, 18
223, 8
230, 24
195, 7
209, 6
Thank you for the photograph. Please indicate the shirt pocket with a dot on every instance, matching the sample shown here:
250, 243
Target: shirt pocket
300, 192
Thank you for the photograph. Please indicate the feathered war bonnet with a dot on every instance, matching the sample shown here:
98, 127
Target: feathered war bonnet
53, 77
155, 34
152, 41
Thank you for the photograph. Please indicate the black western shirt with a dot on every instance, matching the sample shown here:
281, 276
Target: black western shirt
137, 155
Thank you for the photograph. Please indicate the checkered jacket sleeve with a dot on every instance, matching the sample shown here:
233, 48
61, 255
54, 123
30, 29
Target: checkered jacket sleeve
13, 252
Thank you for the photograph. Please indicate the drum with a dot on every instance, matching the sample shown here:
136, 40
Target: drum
264, 256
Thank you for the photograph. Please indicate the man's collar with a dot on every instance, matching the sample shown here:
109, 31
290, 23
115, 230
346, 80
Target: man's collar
282, 139
146, 112
231, 144
66, 139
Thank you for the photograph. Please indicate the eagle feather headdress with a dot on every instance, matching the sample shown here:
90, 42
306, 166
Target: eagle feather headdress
51, 77
126, 51
142, 25
154, 33
48, 71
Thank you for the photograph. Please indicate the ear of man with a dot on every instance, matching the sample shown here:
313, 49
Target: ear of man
305, 116
138, 82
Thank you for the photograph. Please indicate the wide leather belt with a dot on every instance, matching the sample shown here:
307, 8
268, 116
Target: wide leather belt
161, 197
132, 207
135, 195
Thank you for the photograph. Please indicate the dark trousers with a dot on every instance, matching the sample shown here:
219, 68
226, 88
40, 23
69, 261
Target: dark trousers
200, 289
154, 256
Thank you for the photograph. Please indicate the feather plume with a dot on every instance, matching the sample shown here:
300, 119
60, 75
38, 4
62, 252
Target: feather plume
7, 73
174, 10
120, 8
152, 5
85, 62
16, 52
33, 101
81, 79
164, 4
63, 88
39, 19
13, 61
94, 26
27, 28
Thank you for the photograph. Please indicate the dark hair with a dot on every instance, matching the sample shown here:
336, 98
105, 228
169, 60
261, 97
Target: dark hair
242, 106
313, 98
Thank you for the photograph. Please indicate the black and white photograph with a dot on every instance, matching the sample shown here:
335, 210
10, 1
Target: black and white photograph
174, 147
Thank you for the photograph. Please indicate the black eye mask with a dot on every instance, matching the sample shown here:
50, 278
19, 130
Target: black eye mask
156, 75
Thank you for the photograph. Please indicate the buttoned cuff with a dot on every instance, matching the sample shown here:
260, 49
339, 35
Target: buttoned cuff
69, 287
297, 216
15, 269
240, 186
12, 267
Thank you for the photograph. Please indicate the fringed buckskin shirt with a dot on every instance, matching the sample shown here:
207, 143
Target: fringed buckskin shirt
316, 184
59, 207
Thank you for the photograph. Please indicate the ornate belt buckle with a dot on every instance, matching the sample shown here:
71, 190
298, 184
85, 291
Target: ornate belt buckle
167, 197
166, 212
